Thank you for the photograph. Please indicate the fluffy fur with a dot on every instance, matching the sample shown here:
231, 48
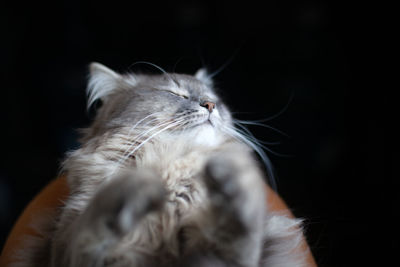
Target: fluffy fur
163, 179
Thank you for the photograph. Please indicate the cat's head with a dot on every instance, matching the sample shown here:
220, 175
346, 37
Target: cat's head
169, 103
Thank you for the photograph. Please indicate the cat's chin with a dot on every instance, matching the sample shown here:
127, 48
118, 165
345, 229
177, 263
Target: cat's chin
204, 134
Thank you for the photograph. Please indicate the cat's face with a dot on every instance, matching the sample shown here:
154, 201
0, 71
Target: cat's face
173, 104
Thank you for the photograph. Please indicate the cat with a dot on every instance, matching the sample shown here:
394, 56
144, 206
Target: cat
163, 178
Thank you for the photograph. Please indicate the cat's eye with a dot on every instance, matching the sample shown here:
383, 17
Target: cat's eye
180, 95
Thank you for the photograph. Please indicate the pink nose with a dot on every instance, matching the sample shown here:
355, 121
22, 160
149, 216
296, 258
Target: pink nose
208, 105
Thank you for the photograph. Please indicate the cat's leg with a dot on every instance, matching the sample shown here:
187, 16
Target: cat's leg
111, 214
244, 232
234, 219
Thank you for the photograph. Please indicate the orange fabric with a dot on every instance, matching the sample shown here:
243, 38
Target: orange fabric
275, 203
52, 196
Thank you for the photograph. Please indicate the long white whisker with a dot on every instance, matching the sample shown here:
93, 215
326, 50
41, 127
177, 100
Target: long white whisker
137, 123
188, 121
260, 124
291, 97
152, 136
248, 134
133, 142
268, 165
258, 143
157, 67
134, 126
137, 138
155, 127
125, 156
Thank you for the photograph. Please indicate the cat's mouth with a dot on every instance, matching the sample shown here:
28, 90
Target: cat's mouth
208, 121
205, 121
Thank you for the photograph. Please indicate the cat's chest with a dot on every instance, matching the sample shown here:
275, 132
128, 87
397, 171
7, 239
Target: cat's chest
182, 177
181, 169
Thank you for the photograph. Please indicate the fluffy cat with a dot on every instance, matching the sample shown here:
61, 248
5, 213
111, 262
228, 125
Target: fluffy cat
163, 179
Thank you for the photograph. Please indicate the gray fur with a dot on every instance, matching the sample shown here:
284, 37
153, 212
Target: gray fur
161, 181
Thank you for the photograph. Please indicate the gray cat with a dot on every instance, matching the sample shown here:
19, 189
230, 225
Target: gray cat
164, 179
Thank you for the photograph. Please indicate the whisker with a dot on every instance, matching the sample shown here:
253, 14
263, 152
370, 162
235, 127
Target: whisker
149, 130
137, 123
261, 125
165, 121
133, 142
229, 61
256, 147
157, 67
123, 158
291, 97
136, 141
152, 136
256, 142
248, 133
135, 126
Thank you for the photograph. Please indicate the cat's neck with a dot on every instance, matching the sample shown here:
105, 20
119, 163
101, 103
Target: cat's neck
170, 148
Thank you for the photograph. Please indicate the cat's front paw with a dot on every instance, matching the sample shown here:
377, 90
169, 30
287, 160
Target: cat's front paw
236, 209
235, 186
120, 204
221, 174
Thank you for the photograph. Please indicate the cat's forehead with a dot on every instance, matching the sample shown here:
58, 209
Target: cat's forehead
189, 82
178, 82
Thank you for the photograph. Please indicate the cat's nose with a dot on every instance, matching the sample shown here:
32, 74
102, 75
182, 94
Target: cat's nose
208, 105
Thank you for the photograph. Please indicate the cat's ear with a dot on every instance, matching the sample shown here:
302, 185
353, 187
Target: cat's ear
102, 81
203, 76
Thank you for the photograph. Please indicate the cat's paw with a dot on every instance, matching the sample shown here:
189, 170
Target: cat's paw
235, 186
221, 177
233, 174
120, 204
236, 209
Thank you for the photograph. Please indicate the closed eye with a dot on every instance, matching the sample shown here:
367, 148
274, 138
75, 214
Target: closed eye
180, 95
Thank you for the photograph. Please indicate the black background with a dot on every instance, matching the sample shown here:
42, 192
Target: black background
316, 51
